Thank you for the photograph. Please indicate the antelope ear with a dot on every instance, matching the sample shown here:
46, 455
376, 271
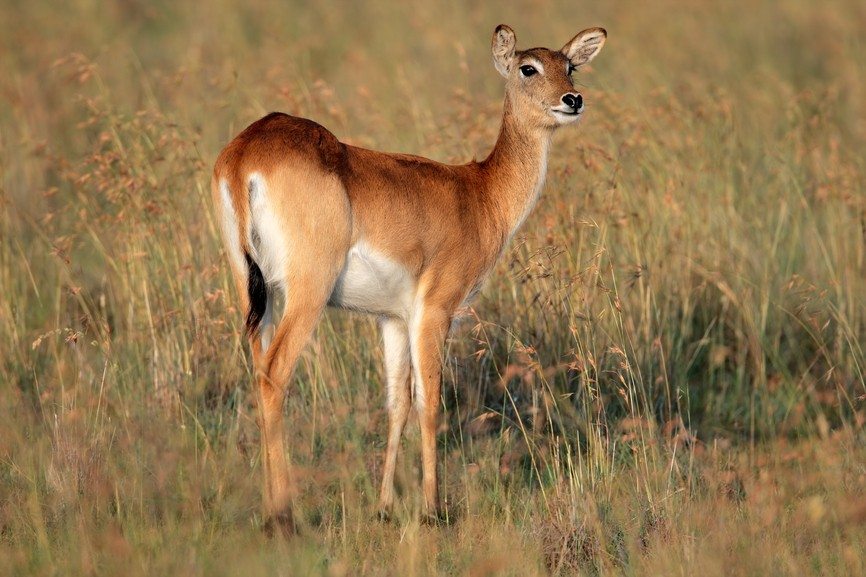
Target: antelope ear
502, 45
585, 46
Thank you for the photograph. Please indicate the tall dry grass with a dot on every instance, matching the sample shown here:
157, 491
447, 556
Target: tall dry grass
665, 374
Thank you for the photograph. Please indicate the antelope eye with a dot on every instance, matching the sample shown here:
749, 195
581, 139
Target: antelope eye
528, 70
571, 68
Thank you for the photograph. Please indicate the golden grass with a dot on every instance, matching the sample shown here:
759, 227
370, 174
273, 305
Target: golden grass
665, 374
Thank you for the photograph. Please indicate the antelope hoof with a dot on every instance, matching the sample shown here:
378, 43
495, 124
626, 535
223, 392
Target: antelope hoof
282, 523
383, 515
435, 519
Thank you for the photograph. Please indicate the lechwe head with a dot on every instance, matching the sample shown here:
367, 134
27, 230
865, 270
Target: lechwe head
540, 88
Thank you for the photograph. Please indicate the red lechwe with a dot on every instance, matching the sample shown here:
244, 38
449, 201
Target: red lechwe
402, 237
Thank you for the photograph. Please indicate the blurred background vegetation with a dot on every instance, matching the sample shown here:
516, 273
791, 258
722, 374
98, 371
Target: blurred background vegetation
664, 373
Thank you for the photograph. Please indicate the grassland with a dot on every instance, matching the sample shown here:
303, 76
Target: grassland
664, 375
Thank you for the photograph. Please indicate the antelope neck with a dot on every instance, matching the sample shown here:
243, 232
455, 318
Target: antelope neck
516, 168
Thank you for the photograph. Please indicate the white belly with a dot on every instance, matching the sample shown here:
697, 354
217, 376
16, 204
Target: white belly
371, 282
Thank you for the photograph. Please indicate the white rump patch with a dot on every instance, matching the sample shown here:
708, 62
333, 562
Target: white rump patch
267, 240
370, 282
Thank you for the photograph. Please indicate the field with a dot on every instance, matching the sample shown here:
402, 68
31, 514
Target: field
663, 376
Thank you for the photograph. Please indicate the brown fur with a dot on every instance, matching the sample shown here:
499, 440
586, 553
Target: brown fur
445, 225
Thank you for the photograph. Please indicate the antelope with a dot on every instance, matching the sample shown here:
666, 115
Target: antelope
321, 223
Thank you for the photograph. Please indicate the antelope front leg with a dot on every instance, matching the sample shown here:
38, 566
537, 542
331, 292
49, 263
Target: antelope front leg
395, 336
429, 329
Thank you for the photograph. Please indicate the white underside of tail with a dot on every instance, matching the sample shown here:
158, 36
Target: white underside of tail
270, 249
230, 230
268, 245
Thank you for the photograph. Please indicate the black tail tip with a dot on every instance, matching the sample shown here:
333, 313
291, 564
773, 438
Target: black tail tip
257, 291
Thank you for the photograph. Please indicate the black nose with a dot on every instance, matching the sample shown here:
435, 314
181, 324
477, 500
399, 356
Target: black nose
573, 101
